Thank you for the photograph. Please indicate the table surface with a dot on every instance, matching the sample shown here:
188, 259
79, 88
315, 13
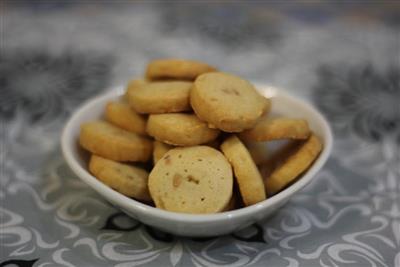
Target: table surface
344, 58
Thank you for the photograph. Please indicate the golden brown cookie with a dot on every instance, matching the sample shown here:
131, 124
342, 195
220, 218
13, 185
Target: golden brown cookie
132, 85
294, 165
194, 179
267, 129
126, 179
248, 177
180, 129
160, 97
227, 102
159, 149
135, 83
108, 141
176, 69
122, 115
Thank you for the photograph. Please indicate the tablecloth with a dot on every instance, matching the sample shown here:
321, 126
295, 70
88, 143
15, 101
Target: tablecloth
344, 57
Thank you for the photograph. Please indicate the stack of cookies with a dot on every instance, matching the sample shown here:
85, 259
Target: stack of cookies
203, 132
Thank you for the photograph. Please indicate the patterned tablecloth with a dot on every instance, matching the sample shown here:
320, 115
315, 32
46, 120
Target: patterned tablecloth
345, 58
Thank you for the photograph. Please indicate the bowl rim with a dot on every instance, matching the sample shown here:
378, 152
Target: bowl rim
135, 206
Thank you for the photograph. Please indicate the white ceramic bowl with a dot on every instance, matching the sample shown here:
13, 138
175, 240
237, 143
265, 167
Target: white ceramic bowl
187, 224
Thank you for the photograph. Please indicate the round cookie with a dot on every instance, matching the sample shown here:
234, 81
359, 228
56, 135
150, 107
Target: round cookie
122, 115
248, 177
126, 179
267, 129
160, 97
294, 165
227, 102
159, 149
194, 179
108, 141
176, 69
180, 129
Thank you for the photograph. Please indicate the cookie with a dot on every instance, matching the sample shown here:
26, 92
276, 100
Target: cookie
195, 179
122, 115
180, 129
159, 149
132, 85
126, 179
176, 69
267, 129
106, 140
294, 165
160, 97
227, 102
135, 83
249, 179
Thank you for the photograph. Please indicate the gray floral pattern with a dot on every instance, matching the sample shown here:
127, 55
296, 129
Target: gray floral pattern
361, 100
43, 86
56, 55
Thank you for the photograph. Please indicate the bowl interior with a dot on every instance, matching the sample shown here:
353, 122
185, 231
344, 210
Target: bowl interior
282, 104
